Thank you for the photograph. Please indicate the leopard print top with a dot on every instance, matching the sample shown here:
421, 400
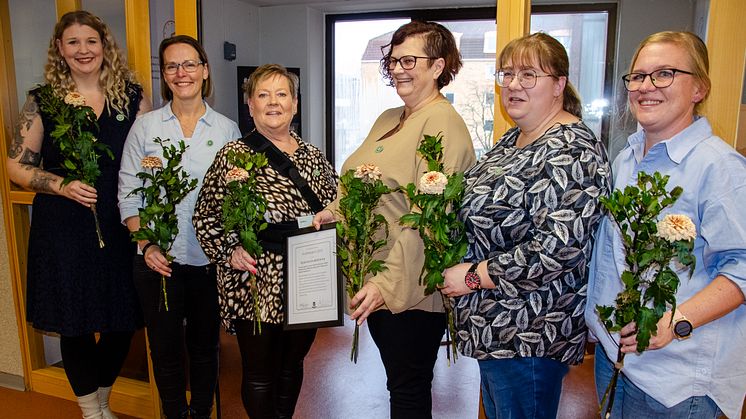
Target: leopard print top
284, 203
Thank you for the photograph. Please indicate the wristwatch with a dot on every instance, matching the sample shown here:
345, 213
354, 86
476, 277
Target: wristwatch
682, 327
471, 279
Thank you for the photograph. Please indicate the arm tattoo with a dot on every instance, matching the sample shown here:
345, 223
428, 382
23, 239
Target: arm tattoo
31, 158
41, 181
25, 119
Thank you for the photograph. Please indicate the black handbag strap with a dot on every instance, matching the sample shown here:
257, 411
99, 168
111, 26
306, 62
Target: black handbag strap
282, 164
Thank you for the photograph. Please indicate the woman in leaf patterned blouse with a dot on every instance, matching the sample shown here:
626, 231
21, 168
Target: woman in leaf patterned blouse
530, 210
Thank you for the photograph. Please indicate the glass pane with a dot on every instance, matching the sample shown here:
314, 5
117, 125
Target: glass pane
360, 93
357, 76
31, 24
472, 93
584, 38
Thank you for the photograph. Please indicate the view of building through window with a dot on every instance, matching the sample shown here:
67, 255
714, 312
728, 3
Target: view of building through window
360, 93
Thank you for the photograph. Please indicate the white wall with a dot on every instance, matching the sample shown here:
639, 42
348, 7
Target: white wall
294, 37
238, 23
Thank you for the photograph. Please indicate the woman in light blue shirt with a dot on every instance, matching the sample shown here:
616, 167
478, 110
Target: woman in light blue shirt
191, 284
694, 366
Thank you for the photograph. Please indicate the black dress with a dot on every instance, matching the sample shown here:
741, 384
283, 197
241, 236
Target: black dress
73, 286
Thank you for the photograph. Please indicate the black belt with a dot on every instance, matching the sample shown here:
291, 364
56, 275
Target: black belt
272, 238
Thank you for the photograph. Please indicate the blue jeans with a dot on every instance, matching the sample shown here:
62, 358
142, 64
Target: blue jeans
520, 388
631, 402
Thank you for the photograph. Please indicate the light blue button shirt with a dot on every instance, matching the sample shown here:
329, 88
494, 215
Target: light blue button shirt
213, 130
713, 175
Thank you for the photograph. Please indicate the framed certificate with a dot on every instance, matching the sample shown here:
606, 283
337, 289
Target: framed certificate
313, 279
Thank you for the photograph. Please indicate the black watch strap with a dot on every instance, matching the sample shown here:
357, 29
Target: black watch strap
471, 279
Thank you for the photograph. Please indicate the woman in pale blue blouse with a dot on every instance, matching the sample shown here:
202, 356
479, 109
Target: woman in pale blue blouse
695, 365
191, 285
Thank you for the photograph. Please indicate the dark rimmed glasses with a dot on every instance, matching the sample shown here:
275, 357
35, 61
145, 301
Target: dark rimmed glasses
190, 66
407, 62
526, 78
660, 78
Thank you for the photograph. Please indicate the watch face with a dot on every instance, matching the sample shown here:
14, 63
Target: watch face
682, 328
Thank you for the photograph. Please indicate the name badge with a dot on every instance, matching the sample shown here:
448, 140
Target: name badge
305, 221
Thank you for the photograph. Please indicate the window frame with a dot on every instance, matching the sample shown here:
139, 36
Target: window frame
470, 13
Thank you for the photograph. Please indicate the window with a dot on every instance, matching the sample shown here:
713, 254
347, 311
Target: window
358, 94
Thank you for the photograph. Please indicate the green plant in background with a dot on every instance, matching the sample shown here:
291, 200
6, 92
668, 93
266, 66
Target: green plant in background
74, 122
163, 188
651, 245
434, 207
243, 212
358, 228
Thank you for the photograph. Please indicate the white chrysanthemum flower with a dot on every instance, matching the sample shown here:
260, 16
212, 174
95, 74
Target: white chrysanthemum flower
75, 99
433, 183
151, 162
236, 174
674, 227
368, 172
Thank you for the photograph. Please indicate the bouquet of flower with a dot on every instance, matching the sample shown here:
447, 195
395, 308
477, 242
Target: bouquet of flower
163, 188
73, 122
362, 188
651, 245
243, 211
434, 205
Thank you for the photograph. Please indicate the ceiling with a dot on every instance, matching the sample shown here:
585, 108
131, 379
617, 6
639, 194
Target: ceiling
344, 5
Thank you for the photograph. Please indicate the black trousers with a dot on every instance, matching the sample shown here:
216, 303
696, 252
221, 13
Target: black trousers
189, 329
90, 364
408, 343
272, 368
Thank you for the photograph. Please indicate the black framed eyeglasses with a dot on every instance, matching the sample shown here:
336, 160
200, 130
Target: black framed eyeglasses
407, 62
660, 78
190, 66
526, 78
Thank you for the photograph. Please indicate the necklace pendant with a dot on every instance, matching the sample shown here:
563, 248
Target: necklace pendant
379, 149
120, 117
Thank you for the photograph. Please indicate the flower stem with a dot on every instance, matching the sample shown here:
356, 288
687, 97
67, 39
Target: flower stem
611, 389
163, 290
355, 339
450, 330
98, 228
255, 298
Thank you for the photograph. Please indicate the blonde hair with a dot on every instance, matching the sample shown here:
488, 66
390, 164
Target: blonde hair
114, 71
552, 58
695, 49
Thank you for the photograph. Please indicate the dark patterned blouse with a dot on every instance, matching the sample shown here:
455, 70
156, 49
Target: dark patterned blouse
284, 203
532, 213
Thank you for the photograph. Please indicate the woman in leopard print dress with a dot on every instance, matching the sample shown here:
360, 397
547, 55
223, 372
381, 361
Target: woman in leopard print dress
272, 360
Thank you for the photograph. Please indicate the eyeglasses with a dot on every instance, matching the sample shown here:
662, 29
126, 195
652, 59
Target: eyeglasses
189, 66
407, 62
526, 78
660, 78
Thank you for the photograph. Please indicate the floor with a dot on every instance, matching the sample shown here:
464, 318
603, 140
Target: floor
336, 388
